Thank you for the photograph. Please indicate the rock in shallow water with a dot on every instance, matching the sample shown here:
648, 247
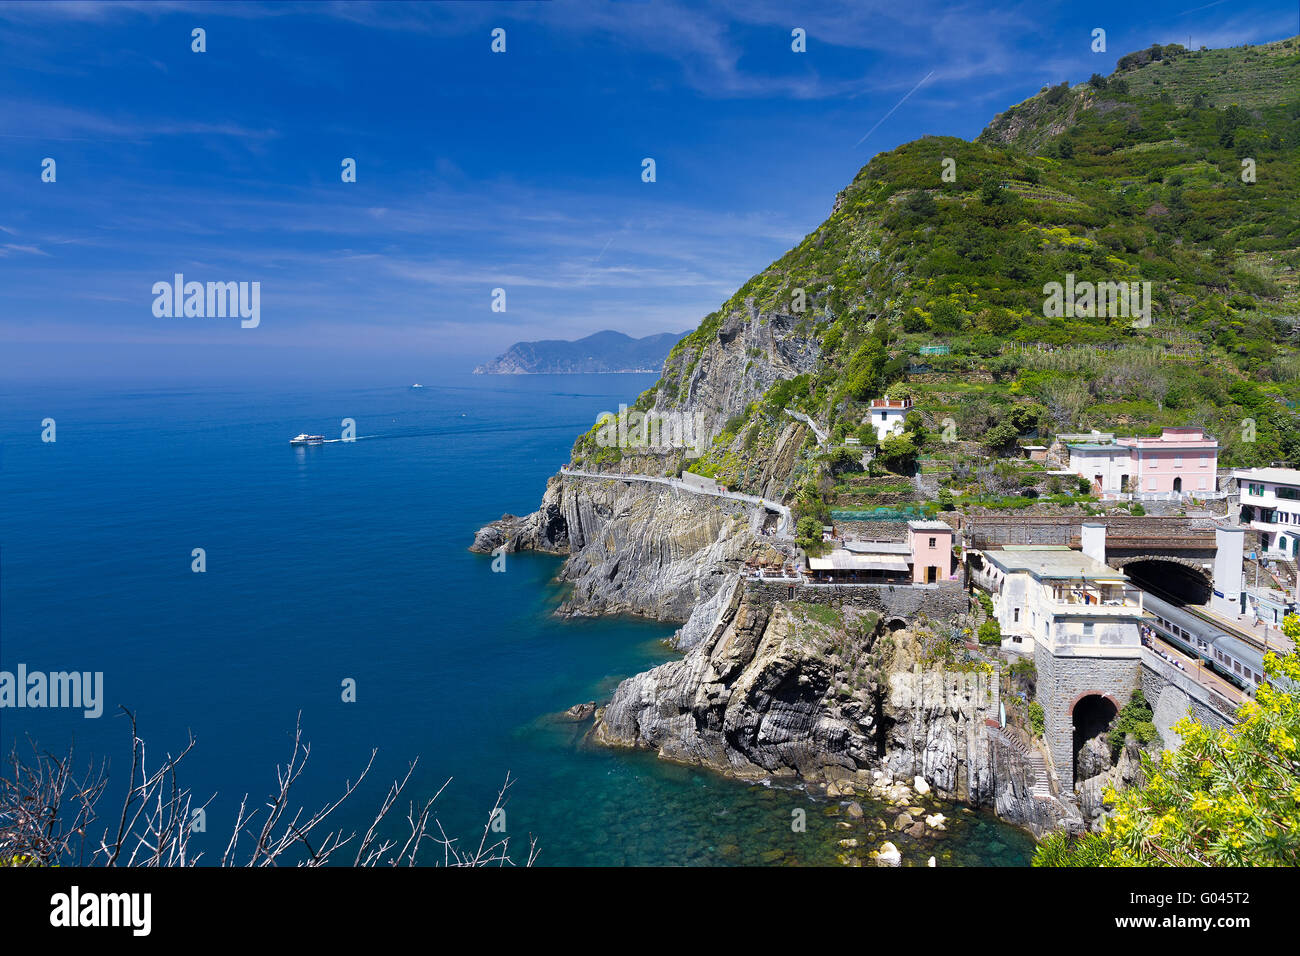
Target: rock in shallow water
581, 711
889, 855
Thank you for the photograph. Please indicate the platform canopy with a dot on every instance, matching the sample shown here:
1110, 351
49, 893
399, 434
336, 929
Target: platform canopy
844, 561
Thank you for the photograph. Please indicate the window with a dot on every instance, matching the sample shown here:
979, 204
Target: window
1087, 629
1151, 484
1015, 616
932, 541
1178, 461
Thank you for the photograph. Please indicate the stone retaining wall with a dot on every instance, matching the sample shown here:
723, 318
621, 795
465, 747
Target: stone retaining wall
992, 530
1171, 693
906, 601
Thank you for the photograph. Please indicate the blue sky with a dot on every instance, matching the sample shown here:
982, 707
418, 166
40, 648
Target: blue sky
476, 170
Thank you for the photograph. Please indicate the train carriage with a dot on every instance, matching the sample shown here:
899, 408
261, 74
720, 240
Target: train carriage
1231, 657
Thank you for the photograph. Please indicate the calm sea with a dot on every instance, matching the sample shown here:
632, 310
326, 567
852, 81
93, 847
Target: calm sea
348, 561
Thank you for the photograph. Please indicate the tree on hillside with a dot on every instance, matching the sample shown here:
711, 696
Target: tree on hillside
991, 191
1224, 798
898, 453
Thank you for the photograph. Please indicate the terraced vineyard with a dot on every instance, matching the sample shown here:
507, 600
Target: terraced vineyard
1252, 77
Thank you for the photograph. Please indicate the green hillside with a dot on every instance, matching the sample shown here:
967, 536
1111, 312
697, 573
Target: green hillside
1135, 178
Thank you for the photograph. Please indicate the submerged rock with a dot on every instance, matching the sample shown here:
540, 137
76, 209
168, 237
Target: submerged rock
579, 712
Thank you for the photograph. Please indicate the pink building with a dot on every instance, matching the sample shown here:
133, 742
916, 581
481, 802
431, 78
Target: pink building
1180, 461
931, 545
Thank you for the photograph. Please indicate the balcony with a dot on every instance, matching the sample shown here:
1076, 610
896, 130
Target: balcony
1270, 498
1096, 600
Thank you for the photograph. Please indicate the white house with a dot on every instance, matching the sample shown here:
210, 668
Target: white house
1107, 465
1270, 503
887, 415
1071, 603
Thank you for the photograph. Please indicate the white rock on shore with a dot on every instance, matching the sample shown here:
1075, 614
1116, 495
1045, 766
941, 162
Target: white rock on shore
889, 855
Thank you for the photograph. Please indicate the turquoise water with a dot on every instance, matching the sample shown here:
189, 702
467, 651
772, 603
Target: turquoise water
349, 561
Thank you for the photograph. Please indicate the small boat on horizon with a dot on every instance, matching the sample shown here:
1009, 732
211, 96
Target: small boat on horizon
417, 385
307, 440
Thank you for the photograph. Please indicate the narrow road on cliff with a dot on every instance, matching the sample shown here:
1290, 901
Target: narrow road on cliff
785, 529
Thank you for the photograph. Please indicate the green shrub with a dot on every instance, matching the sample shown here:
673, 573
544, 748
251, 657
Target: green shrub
990, 632
1023, 667
1061, 849
1037, 719
1136, 719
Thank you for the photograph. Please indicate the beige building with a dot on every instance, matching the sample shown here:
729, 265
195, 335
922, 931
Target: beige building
1064, 600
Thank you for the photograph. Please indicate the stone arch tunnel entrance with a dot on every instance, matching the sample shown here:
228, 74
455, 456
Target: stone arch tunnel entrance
1091, 714
1182, 583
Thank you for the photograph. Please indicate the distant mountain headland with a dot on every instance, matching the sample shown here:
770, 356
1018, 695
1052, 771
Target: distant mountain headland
600, 352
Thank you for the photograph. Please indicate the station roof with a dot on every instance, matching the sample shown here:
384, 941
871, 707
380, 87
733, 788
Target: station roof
1052, 562
846, 561
878, 547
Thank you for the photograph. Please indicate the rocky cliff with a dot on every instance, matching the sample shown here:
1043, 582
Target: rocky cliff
819, 694
714, 377
634, 547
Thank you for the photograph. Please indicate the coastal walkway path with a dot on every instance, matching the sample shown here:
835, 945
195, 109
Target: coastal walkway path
785, 530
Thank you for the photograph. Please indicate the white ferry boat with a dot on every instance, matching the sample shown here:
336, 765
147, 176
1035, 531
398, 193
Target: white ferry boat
307, 440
